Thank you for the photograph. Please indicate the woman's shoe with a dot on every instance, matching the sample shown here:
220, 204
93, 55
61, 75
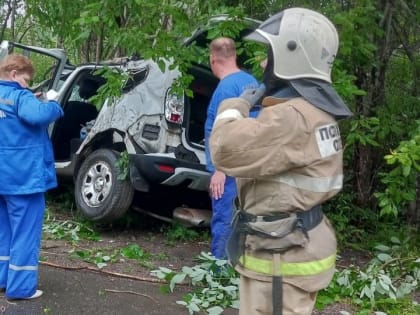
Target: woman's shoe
36, 295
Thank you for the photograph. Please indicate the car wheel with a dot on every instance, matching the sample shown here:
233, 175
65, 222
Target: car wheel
99, 194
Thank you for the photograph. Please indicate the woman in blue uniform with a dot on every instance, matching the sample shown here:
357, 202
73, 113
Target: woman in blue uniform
26, 172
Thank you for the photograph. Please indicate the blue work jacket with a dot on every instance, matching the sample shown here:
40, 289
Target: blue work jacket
26, 154
230, 86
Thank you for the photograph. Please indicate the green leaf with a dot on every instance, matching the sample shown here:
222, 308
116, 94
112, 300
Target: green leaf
384, 257
382, 248
215, 310
194, 307
178, 278
101, 265
395, 240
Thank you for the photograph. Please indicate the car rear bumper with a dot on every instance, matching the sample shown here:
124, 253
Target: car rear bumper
167, 170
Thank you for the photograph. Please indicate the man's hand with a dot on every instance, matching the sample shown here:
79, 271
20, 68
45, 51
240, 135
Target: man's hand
217, 185
252, 96
38, 94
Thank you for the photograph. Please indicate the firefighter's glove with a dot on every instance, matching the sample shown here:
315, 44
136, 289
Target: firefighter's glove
252, 96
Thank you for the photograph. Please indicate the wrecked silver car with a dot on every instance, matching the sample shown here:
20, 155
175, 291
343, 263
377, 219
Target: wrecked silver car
157, 133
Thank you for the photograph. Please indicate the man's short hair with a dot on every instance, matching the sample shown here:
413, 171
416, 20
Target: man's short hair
223, 47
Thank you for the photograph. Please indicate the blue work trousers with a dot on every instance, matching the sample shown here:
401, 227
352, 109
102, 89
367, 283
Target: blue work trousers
21, 219
222, 219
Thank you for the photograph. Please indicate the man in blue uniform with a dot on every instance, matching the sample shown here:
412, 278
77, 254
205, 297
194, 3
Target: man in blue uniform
26, 172
233, 81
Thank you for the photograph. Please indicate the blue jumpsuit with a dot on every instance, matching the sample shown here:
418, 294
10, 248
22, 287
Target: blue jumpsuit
230, 86
26, 172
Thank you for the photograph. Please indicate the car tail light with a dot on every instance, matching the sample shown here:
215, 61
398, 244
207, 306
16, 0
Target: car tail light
174, 108
166, 168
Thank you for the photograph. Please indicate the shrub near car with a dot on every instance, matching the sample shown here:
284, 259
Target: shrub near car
161, 133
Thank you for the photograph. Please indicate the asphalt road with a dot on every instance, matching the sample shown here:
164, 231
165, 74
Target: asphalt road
69, 292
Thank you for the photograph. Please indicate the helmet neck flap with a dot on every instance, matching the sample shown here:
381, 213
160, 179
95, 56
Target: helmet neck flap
322, 95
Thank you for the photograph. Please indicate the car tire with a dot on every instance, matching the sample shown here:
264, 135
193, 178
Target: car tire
99, 194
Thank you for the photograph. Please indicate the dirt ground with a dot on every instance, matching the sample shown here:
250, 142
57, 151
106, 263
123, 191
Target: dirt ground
159, 249
151, 236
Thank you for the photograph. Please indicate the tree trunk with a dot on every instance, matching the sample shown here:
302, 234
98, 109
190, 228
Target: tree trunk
99, 45
368, 159
413, 214
12, 20
6, 15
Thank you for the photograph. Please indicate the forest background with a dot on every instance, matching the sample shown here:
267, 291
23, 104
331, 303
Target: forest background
376, 72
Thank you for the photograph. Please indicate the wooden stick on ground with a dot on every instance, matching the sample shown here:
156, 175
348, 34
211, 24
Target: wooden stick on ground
115, 274
132, 292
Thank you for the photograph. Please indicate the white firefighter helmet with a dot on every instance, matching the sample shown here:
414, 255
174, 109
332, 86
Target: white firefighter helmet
304, 44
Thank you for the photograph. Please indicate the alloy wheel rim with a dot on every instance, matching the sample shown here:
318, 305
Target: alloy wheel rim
97, 184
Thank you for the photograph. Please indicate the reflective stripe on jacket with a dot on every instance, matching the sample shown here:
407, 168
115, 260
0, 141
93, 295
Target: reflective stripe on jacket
310, 268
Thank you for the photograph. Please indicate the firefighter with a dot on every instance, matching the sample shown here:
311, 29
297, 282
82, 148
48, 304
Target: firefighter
287, 162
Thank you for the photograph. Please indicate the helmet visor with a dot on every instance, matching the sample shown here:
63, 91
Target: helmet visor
271, 26
257, 37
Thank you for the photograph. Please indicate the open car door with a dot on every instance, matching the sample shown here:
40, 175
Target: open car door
48, 63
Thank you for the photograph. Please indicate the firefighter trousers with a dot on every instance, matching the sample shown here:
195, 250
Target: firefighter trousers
256, 298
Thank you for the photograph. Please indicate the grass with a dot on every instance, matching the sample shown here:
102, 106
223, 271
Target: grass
175, 233
62, 223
